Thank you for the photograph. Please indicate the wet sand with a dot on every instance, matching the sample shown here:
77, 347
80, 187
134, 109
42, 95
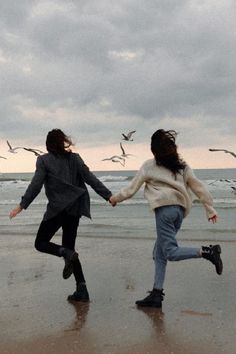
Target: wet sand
198, 314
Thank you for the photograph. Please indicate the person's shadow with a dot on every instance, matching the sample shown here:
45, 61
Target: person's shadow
81, 312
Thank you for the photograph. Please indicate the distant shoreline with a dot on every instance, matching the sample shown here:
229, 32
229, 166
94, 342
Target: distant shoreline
126, 171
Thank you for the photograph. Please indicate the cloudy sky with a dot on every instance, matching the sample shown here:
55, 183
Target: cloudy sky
99, 68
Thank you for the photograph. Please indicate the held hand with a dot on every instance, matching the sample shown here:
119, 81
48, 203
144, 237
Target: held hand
15, 211
112, 201
213, 219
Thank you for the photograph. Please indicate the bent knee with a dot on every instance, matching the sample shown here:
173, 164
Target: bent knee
38, 245
171, 255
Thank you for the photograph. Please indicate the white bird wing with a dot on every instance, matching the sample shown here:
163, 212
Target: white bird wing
130, 134
117, 157
122, 163
2, 157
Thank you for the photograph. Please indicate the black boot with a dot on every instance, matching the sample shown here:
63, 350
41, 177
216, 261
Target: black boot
212, 254
81, 294
70, 256
154, 299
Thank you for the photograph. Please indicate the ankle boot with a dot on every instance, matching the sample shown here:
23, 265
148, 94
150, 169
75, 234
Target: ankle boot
70, 256
154, 299
212, 254
81, 294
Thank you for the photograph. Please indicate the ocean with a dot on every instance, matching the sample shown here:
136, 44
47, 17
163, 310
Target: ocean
130, 219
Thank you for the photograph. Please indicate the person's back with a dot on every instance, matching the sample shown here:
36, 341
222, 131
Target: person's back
167, 180
64, 175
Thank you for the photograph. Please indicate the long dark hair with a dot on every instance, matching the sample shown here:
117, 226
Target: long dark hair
58, 142
164, 149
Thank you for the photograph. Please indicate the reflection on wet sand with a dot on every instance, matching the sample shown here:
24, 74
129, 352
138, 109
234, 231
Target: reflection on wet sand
81, 312
156, 317
158, 334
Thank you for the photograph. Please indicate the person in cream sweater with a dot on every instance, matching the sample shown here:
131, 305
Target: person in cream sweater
169, 182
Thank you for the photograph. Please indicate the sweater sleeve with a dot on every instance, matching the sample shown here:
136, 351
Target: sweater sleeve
35, 185
199, 189
132, 188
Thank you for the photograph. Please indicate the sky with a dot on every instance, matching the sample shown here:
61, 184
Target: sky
97, 69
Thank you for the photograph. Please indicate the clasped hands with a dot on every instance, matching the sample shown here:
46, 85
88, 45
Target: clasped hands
112, 201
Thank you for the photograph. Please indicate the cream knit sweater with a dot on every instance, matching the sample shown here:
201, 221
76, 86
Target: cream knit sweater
162, 188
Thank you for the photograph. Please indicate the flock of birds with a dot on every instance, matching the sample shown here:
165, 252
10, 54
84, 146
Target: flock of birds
121, 158
13, 150
115, 158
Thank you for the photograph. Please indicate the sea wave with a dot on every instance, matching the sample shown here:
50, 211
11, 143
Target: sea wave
12, 182
221, 183
224, 203
14, 202
110, 178
105, 178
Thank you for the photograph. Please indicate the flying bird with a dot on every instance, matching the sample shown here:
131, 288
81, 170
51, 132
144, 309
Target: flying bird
234, 190
225, 151
123, 152
35, 151
13, 150
128, 136
116, 158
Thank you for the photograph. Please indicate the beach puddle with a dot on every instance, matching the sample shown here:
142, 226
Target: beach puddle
196, 313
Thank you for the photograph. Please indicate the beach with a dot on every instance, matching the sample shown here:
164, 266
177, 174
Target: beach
198, 314
115, 248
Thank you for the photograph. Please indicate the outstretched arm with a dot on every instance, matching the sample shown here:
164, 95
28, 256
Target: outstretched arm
131, 189
33, 189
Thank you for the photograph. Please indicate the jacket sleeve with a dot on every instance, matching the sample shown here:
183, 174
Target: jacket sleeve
199, 189
132, 188
35, 185
90, 179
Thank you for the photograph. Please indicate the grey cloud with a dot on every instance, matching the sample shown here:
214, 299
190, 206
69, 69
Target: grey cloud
181, 67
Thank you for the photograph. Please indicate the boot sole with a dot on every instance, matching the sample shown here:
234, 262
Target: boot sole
72, 299
149, 305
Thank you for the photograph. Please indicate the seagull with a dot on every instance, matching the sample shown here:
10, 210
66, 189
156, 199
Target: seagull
11, 149
224, 150
116, 158
35, 151
2, 157
234, 190
123, 152
128, 136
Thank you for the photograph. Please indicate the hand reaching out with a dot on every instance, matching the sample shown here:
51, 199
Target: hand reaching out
213, 219
15, 211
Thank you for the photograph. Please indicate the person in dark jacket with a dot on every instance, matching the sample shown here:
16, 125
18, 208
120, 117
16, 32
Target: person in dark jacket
64, 176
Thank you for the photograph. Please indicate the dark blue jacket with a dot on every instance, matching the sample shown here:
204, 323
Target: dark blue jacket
64, 178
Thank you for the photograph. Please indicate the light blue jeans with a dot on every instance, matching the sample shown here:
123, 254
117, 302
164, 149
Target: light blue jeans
168, 222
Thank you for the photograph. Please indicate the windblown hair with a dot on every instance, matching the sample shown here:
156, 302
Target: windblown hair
164, 149
58, 142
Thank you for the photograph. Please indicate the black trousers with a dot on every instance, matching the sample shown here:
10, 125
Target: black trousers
47, 230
